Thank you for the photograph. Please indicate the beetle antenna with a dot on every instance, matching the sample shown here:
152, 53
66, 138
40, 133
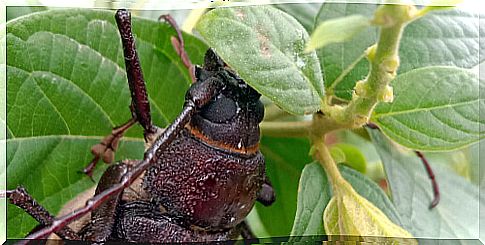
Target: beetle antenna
20, 198
429, 170
179, 45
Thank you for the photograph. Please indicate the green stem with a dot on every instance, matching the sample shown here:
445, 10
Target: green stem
384, 61
322, 154
286, 129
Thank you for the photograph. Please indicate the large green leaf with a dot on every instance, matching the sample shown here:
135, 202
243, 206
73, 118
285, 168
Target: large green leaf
74, 48
434, 108
285, 159
443, 38
305, 13
67, 88
314, 193
457, 214
265, 46
448, 38
17, 11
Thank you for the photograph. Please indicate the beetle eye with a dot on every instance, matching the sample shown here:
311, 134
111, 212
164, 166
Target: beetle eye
259, 111
220, 110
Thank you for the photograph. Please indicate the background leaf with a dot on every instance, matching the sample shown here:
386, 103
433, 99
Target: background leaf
449, 38
352, 156
265, 46
16, 11
285, 159
313, 196
305, 13
457, 214
67, 88
434, 108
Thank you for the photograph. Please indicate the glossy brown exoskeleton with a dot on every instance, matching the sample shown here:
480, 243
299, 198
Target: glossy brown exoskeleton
206, 181
199, 178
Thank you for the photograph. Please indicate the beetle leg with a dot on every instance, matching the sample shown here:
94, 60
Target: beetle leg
102, 219
247, 233
140, 106
179, 45
23, 200
107, 147
139, 97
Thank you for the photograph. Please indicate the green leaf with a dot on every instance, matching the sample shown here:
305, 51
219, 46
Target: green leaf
305, 13
477, 163
265, 46
83, 60
455, 217
285, 159
442, 38
350, 156
337, 30
434, 108
314, 193
67, 88
48, 167
313, 196
448, 38
17, 11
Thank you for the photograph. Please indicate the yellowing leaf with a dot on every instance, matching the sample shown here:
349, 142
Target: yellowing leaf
348, 213
445, 2
435, 5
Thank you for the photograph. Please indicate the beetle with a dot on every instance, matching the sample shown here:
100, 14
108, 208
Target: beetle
199, 178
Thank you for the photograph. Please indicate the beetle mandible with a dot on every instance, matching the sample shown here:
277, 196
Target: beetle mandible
199, 177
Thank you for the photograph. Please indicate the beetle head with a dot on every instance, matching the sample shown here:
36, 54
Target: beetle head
231, 119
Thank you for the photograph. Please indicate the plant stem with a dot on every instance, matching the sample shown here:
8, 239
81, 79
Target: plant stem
384, 63
286, 129
322, 154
